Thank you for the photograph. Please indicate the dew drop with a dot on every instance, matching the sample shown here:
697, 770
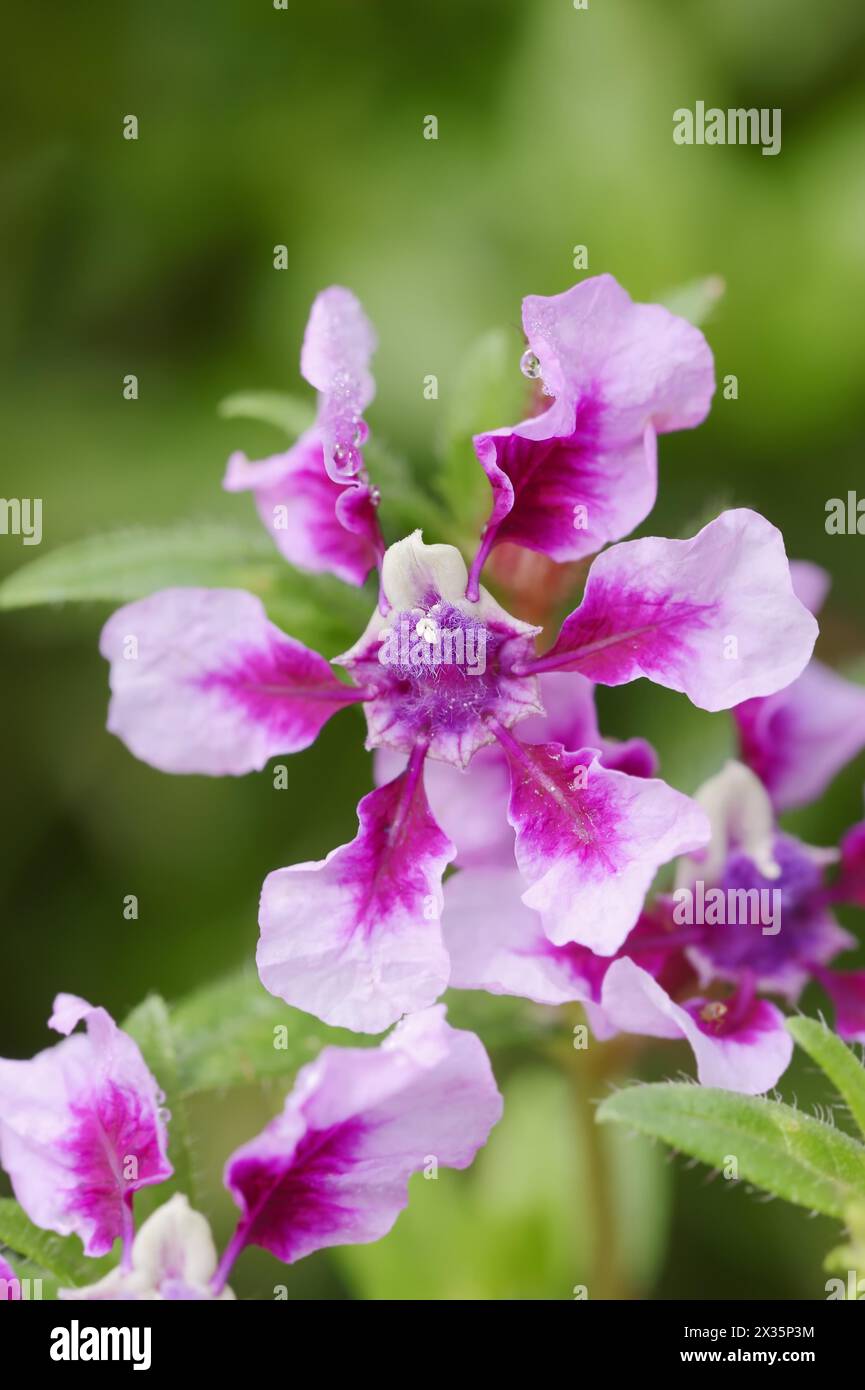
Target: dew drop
530, 365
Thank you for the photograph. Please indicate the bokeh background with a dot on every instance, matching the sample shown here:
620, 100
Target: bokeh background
304, 127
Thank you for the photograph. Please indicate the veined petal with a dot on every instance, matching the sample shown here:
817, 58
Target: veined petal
317, 524
337, 347
81, 1128
333, 1168
800, 738
202, 682
748, 1052
356, 939
589, 840
715, 617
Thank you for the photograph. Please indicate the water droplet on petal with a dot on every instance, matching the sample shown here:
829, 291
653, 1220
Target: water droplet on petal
530, 365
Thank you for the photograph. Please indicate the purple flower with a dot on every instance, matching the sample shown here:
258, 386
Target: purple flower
81, 1129
332, 1169
585, 471
447, 677
316, 499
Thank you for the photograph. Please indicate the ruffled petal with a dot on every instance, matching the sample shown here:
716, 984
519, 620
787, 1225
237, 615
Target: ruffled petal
337, 347
356, 939
589, 840
317, 524
584, 472
81, 1128
800, 738
333, 1168
201, 681
715, 617
746, 1053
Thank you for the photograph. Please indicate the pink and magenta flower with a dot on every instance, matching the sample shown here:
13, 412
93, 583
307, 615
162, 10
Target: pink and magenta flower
474, 713
331, 1169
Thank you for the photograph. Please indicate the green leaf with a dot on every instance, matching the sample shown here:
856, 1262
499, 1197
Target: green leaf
490, 392
291, 414
696, 300
840, 1064
61, 1256
150, 1025
130, 563
776, 1147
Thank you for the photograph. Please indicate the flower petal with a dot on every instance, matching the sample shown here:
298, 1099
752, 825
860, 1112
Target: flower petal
355, 938
584, 472
337, 347
715, 617
498, 944
202, 682
333, 1168
589, 840
81, 1128
748, 1057
800, 738
319, 525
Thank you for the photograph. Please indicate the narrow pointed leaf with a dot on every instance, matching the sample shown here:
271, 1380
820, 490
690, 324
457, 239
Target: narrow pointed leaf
776, 1147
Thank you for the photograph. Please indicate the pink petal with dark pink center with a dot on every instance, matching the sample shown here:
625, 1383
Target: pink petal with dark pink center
715, 617
589, 840
356, 939
202, 682
584, 472
81, 1129
317, 524
333, 1168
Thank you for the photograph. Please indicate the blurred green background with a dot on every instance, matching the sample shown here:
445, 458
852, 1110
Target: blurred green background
304, 127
